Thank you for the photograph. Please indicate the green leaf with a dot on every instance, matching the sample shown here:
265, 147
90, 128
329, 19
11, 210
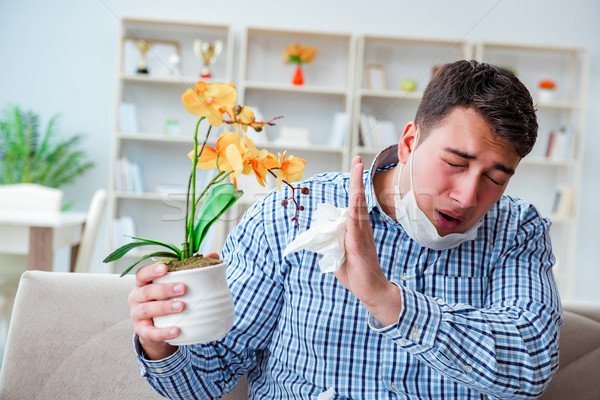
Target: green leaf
121, 251
155, 254
218, 201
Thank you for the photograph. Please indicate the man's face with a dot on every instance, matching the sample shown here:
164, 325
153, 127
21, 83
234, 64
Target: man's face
460, 170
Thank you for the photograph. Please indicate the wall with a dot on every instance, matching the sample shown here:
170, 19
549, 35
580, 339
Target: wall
59, 56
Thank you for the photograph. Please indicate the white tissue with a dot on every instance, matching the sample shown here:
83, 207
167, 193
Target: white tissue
325, 236
326, 395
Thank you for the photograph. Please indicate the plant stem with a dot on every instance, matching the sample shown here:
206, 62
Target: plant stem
213, 181
190, 211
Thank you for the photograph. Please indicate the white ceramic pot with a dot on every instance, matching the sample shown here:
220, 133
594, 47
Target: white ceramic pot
208, 313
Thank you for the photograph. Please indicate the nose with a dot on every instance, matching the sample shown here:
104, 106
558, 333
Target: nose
466, 190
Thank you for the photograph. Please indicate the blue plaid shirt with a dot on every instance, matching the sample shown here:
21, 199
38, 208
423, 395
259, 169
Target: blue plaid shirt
478, 321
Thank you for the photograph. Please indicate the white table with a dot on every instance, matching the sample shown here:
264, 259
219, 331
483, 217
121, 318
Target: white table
39, 234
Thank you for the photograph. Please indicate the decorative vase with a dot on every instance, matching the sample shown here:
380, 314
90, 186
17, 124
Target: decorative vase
298, 76
208, 313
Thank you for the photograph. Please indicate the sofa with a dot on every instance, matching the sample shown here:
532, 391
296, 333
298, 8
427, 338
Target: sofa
70, 337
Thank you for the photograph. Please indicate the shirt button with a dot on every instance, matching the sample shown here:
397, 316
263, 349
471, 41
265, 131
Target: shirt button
414, 334
394, 386
404, 277
468, 369
159, 370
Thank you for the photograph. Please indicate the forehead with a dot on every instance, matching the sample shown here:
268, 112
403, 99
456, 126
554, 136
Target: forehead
467, 129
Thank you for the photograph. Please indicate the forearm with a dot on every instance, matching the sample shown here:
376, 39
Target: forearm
176, 376
506, 352
386, 306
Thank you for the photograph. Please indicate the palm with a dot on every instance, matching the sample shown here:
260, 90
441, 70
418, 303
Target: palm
361, 273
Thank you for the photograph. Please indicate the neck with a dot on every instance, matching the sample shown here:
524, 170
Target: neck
383, 184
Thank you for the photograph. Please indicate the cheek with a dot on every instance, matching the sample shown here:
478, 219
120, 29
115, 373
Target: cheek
488, 197
436, 182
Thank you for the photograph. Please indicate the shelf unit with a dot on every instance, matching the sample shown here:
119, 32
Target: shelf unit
139, 134
539, 175
382, 64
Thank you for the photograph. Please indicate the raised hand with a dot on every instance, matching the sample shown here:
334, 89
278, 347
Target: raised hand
361, 273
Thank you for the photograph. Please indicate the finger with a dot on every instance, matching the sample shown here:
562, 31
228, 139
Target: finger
153, 309
213, 255
148, 332
156, 291
357, 190
356, 160
147, 274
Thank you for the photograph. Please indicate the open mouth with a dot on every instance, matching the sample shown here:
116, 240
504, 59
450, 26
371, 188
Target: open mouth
449, 218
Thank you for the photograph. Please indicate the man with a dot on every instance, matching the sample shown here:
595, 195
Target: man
446, 291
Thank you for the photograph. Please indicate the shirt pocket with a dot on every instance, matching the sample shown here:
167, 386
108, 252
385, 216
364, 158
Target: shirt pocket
457, 289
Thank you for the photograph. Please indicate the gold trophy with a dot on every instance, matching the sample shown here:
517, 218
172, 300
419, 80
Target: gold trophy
143, 46
207, 53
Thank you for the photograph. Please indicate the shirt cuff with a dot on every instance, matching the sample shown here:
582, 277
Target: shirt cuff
161, 368
417, 325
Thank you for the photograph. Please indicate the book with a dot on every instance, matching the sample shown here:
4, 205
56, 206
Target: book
366, 131
389, 133
559, 144
128, 176
565, 199
123, 229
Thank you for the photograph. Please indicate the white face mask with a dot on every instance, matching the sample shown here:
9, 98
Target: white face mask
418, 226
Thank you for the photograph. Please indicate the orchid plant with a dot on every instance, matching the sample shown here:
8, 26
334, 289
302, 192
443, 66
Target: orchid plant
234, 154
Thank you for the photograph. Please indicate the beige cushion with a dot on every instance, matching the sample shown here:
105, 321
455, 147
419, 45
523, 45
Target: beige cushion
578, 376
71, 338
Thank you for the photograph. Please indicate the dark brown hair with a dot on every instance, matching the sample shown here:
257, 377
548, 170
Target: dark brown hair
496, 93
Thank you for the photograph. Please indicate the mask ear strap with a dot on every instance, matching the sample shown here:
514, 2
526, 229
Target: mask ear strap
399, 176
417, 136
410, 160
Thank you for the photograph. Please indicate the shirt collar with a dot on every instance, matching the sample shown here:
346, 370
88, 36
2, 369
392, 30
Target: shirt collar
385, 159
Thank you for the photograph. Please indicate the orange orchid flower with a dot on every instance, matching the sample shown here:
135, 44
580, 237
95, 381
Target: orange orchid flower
291, 168
227, 157
258, 161
210, 100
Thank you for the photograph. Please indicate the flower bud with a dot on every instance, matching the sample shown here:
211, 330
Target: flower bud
301, 208
284, 203
257, 128
305, 190
237, 109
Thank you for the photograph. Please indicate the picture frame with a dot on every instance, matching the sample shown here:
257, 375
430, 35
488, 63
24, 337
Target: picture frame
375, 74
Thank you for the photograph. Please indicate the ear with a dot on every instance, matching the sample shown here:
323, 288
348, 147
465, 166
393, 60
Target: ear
407, 142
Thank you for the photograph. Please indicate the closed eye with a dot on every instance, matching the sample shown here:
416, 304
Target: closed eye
455, 165
495, 182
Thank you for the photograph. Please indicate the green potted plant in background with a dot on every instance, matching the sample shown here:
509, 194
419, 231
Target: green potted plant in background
28, 156
209, 306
